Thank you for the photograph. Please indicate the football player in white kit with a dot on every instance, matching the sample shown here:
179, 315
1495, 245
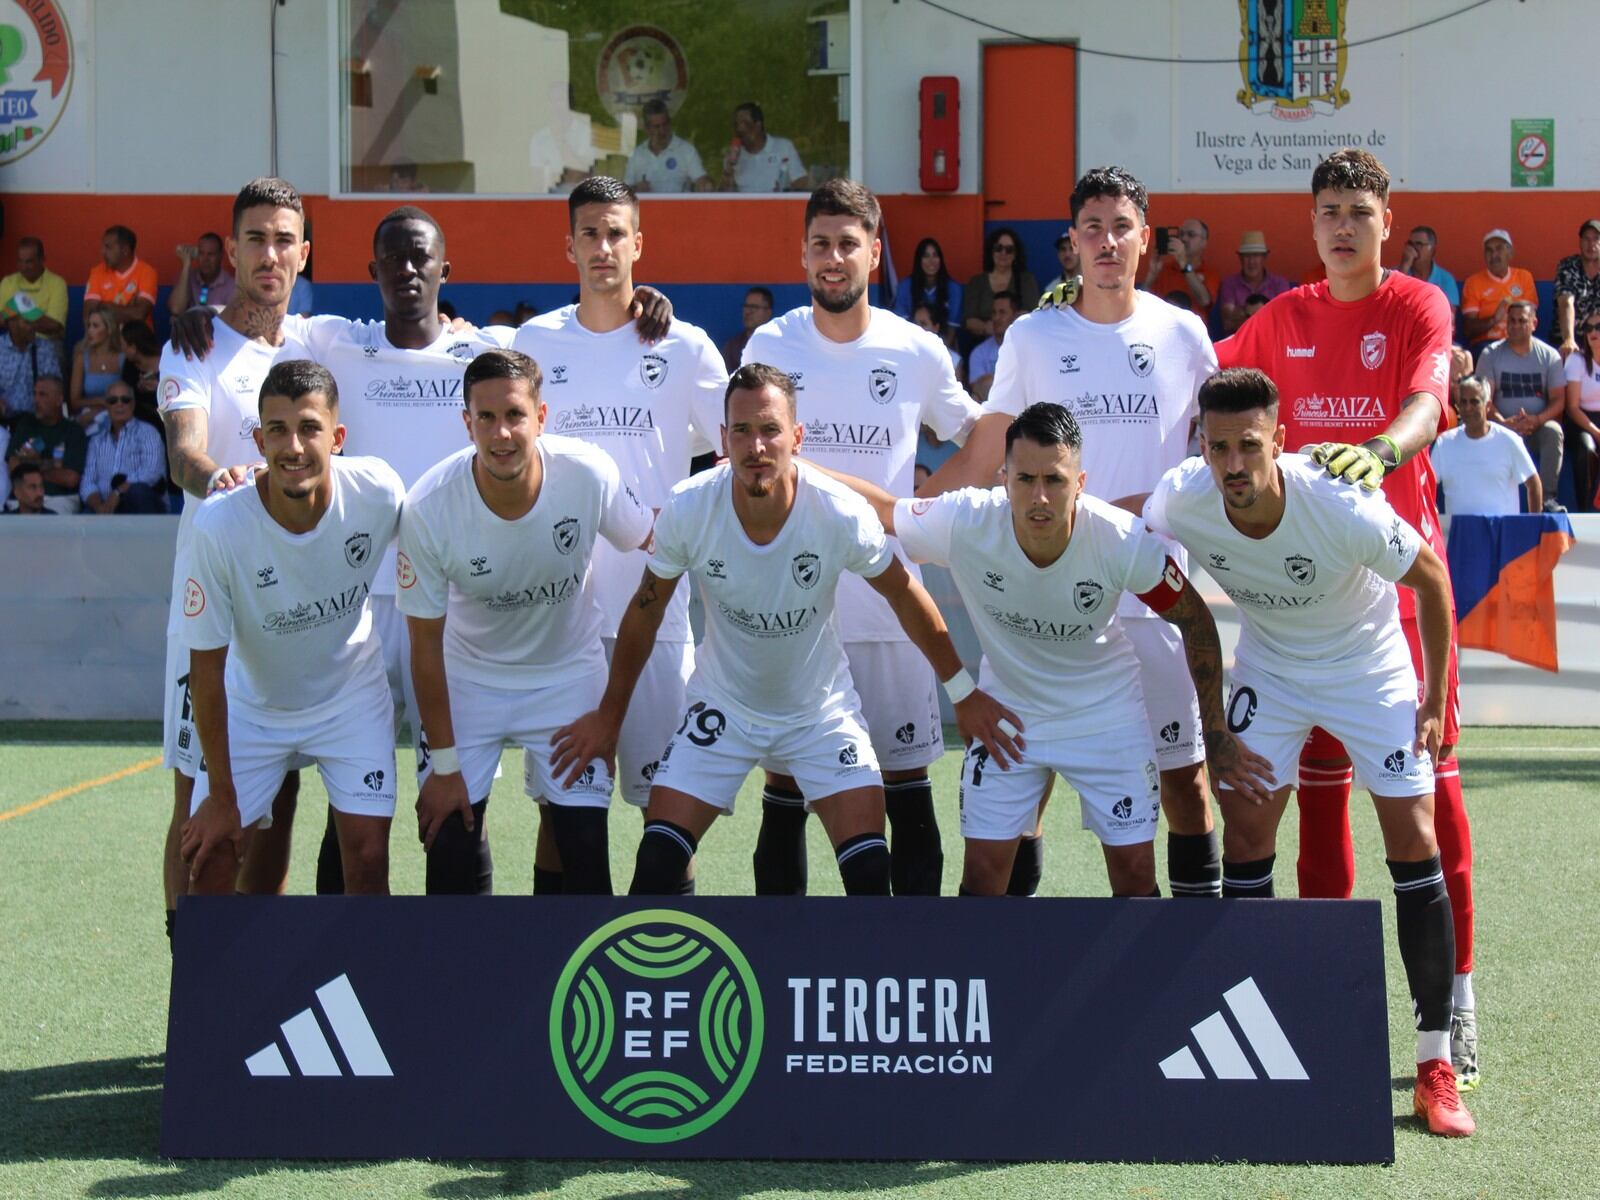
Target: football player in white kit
1127, 365
1041, 566
210, 410
651, 408
766, 540
866, 381
283, 665
1312, 564
495, 583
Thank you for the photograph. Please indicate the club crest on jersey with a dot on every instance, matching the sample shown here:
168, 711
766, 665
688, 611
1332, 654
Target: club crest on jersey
807, 569
882, 383
653, 370
462, 352
1300, 569
1374, 348
1086, 595
357, 548
565, 533
1141, 358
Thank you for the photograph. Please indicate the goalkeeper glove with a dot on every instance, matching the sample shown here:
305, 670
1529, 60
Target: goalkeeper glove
1353, 464
1062, 295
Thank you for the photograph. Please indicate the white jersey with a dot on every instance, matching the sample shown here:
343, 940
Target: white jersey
403, 406
1480, 476
862, 404
770, 169
517, 595
1316, 594
292, 607
1050, 649
772, 652
650, 407
673, 170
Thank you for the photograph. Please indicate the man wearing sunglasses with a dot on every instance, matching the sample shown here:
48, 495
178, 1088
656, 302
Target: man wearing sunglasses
126, 465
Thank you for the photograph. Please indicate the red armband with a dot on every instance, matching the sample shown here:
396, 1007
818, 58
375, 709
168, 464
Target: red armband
1165, 594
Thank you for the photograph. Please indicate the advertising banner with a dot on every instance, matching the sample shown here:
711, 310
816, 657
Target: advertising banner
46, 96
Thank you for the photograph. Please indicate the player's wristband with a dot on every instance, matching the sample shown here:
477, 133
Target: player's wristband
1392, 444
959, 686
444, 760
211, 483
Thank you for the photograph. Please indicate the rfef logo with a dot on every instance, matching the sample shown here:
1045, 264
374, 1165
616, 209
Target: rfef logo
656, 1026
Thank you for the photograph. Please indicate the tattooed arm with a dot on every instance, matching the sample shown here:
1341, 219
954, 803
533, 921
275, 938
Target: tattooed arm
191, 467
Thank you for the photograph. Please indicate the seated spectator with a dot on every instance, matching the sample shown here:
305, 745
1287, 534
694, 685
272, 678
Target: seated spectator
664, 162
1254, 303
931, 318
126, 467
1529, 388
121, 283
1577, 287
1183, 267
1067, 256
757, 311
141, 366
1180, 298
96, 365
524, 312
5, 476
1418, 260
501, 316
1005, 309
25, 358
1583, 409
27, 491
35, 294
1005, 269
928, 283
1480, 464
1252, 279
46, 437
758, 161
202, 279
1487, 295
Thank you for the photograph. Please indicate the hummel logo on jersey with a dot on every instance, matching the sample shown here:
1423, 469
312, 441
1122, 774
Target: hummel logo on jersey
309, 1048
565, 534
848, 756
267, 575
374, 780
1395, 763
1069, 364
882, 384
807, 569
715, 569
1141, 358
357, 548
1300, 351
1169, 733
653, 370
558, 373
994, 580
1087, 594
370, 351
906, 733
795, 378
1222, 1051
1300, 569
1123, 809
1219, 562
1374, 347
244, 383
480, 565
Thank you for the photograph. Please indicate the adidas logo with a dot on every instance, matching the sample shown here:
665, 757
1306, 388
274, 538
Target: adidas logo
1221, 1049
309, 1048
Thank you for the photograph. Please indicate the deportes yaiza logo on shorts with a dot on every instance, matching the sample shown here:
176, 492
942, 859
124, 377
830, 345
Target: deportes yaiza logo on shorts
1069, 364
807, 569
906, 734
656, 1026
267, 576
1142, 359
1300, 569
585, 777
1374, 348
480, 565
374, 780
882, 383
1123, 809
653, 370
648, 771
1086, 595
565, 534
357, 549
1169, 733
849, 757
1395, 762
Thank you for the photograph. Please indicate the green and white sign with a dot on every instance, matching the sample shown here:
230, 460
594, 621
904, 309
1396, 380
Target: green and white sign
1533, 152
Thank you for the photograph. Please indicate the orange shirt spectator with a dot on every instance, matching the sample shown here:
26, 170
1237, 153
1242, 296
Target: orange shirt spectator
1486, 295
121, 282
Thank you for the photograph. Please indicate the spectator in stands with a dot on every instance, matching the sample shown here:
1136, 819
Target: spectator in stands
1005, 269
1529, 388
1252, 278
96, 365
1577, 287
932, 318
1180, 298
46, 437
5, 476
404, 178
1005, 309
141, 367
125, 470
121, 283
25, 358
503, 316
757, 311
34, 293
1583, 409
1254, 303
759, 161
1487, 295
664, 162
928, 282
1418, 260
1067, 256
1183, 266
1480, 463
27, 491
524, 312
202, 279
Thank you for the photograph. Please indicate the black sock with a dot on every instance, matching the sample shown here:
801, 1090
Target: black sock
545, 881
485, 856
663, 859
686, 888
1194, 864
1027, 869
585, 849
1248, 880
454, 867
330, 866
864, 865
780, 857
1427, 938
916, 866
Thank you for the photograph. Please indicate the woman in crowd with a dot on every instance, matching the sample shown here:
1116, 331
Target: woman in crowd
1583, 410
928, 283
96, 365
1005, 269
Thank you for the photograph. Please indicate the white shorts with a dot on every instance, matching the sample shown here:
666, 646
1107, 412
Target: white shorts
1373, 711
712, 752
180, 741
1169, 697
1113, 771
487, 719
354, 753
394, 639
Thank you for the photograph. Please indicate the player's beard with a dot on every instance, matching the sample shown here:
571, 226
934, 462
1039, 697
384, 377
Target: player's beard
761, 486
838, 304
1244, 499
503, 471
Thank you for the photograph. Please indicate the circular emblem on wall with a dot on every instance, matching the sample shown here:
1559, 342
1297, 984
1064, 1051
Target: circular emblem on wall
36, 69
641, 63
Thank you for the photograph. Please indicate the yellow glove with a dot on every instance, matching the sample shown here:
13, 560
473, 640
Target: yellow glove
1353, 464
1062, 295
